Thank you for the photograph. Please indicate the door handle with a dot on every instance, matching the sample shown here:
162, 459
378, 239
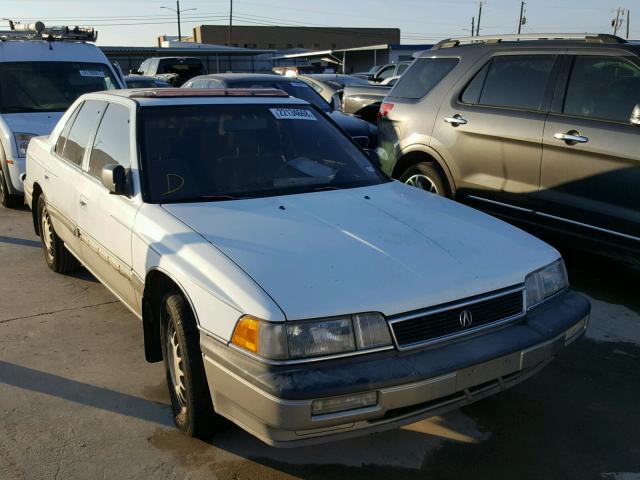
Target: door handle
456, 120
571, 138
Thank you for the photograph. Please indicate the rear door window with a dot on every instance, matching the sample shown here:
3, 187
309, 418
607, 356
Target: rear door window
606, 88
424, 74
111, 144
514, 81
80, 132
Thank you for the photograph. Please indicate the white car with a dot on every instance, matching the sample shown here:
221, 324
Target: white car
286, 282
42, 72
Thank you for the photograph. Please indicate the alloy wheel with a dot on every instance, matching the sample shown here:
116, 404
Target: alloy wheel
422, 182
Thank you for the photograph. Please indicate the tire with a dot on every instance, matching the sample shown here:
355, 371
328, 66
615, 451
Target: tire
191, 401
426, 176
6, 199
58, 258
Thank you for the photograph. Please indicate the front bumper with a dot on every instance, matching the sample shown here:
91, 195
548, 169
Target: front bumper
274, 402
16, 167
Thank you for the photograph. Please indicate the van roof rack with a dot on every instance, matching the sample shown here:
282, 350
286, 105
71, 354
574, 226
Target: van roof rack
529, 37
38, 31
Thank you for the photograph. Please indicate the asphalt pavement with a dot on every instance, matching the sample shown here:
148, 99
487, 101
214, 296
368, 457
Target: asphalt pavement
78, 400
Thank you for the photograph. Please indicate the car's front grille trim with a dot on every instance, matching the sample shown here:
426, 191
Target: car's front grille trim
435, 325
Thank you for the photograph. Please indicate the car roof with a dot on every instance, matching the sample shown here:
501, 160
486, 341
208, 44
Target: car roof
192, 96
267, 77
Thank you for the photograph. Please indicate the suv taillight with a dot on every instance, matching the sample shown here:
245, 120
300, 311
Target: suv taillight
385, 108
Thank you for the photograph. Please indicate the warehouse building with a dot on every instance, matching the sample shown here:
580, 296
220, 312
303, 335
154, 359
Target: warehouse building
286, 38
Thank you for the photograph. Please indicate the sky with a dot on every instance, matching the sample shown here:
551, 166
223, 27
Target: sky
140, 22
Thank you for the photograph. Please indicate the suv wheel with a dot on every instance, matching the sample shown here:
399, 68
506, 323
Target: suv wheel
58, 258
6, 199
190, 398
426, 177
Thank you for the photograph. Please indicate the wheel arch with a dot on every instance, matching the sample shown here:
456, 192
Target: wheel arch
157, 283
421, 153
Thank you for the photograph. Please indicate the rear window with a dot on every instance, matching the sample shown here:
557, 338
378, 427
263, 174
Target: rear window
424, 74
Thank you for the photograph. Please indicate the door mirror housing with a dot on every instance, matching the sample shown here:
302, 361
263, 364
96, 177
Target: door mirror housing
336, 101
635, 116
114, 177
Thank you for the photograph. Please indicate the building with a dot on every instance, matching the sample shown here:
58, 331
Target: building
286, 38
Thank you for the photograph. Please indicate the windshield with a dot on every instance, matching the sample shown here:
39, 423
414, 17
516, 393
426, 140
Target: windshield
49, 86
295, 88
197, 153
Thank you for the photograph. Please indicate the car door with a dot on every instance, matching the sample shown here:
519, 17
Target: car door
64, 174
490, 131
591, 162
105, 220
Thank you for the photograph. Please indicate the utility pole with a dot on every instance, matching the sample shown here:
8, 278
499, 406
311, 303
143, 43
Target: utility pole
473, 26
522, 19
177, 12
628, 14
479, 18
230, 21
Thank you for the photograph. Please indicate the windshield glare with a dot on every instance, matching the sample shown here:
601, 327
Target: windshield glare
218, 152
295, 88
49, 86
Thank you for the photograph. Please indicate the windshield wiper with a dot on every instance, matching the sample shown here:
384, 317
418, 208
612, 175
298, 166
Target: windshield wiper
204, 198
325, 188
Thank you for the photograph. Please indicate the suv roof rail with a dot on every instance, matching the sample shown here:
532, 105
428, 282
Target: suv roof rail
528, 37
206, 92
38, 31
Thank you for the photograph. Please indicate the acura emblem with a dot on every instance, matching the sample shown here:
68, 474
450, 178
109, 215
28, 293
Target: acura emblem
466, 318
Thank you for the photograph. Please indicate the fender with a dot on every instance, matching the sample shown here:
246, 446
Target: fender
429, 151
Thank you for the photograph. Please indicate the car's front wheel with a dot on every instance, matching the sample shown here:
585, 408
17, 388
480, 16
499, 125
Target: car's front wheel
425, 176
190, 398
6, 199
58, 258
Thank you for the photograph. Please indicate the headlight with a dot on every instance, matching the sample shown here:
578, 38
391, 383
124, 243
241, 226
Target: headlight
22, 141
543, 283
313, 338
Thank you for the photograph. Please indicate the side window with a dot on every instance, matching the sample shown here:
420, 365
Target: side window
111, 145
65, 131
422, 76
402, 68
517, 81
386, 72
473, 90
83, 125
603, 87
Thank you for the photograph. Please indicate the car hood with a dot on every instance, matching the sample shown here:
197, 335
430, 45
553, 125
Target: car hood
38, 123
388, 248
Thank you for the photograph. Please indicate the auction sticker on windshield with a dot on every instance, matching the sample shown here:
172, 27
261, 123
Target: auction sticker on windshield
292, 114
92, 73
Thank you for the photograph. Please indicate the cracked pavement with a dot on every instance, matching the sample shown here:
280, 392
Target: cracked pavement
78, 400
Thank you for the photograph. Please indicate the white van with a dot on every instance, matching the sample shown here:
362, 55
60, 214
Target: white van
42, 72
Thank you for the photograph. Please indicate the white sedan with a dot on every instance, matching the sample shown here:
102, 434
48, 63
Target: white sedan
286, 282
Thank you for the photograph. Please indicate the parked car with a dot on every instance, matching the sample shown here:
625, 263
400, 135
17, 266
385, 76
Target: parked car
174, 70
391, 81
387, 71
42, 71
364, 101
329, 85
543, 132
286, 282
365, 134
141, 81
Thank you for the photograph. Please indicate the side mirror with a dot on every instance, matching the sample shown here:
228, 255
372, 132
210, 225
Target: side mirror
114, 177
635, 116
336, 101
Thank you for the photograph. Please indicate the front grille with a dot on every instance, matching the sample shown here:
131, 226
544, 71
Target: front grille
443, 322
